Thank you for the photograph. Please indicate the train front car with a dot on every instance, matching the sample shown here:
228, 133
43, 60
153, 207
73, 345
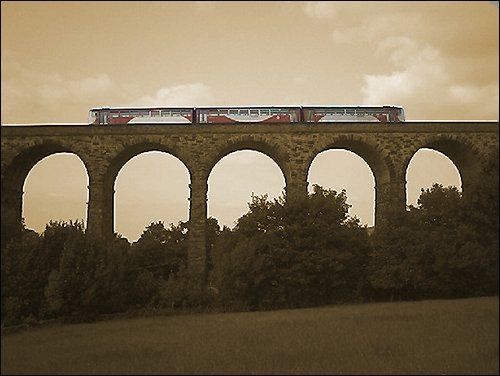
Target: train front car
117, 116
255, 114
399, 114
377, 114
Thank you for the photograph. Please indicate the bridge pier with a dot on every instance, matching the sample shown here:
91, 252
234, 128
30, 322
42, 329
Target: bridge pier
11, 210
197, 235
296, 182
100, 208
390, 201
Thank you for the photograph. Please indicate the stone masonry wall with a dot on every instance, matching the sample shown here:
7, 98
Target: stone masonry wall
386, 148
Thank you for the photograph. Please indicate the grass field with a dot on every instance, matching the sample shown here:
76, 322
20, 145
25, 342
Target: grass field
426, 337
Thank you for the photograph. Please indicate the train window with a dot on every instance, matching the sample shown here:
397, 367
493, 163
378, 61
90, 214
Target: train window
213, 112
165, 113
233, 112
155, 113
92, 116
264, 112
243, 112
114, 114
223, 112
274, 111
254, 112
401, 114
176, 113
124, 114
350, 111
185, 112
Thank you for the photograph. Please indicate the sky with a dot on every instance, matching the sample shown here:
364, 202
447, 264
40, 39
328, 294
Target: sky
439, 60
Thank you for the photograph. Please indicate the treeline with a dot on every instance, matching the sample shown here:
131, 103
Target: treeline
281, 254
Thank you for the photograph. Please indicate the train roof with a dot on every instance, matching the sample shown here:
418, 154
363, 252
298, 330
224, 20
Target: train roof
139, 107
350, 105
306, 106
249, 106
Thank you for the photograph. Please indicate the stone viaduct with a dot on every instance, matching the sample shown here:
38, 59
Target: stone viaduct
386, 148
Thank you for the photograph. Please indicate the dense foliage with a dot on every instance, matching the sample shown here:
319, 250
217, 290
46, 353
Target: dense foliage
436, 251
281, 254
292, 254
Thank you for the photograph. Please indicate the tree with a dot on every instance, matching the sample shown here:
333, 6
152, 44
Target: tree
292, 253
23, 279
434, 250
54, 238
213, 232
158, 253
89, 280
161, 250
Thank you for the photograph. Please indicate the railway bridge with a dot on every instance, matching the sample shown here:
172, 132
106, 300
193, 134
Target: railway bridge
386, 148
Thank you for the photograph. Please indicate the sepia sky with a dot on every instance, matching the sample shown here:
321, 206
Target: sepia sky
439, 60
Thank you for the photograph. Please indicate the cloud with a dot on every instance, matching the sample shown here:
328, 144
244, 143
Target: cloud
483, 99
431, 71
203, 5
56, 88
350, 35
417, 68
29, 96
420, 79
320, 9
369, 30
22, 83
473, 93
36, 97
178, 95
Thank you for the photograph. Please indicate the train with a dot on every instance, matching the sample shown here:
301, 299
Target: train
245, 114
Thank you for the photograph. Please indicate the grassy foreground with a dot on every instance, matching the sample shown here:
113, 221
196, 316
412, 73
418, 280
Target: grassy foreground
426, 337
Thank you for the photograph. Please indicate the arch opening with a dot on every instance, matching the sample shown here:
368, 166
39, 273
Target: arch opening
151, 186
427, 167
235, 177
55, 189
340, 169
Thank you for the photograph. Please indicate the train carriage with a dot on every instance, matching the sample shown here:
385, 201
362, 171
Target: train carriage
245, 114
253, 114
139, 115
383, 114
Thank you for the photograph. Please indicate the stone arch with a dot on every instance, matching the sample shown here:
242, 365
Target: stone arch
253, 142
389, 189
381, 166
117, 162
16, 172
14, 175
461, 152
